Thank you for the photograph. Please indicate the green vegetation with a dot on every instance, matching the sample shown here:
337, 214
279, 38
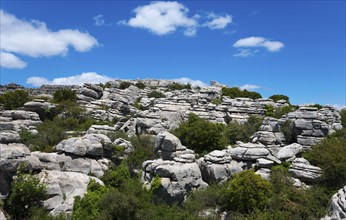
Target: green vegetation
243, 131
247, 192
179, 86
124, 85
14, 100
216, 101
140, 85
343, 117
236, 92
64, 95
279, 112
278, 97
156, 94
26, 193
318, 106
288, 131
200, 135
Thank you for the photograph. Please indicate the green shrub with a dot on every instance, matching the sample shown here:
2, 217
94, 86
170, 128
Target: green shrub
236, 92
117, 134
318, 106
248, 191
61, 95
179, 86
278, 112
243, 132
200, 135
330, 155
288, 131
216, 101
156, 184
88, 207
278, 97
124, 85
26, 192
156, 94
117, 177
143, 150
14, 100
140, 85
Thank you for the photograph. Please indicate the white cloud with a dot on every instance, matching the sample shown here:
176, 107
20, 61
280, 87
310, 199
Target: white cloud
249, 87
8, 60
218, 22
34, 39
99, 20
163, 18
272, 46
89, 77
186, 80
37, 81
244, 53
337, 106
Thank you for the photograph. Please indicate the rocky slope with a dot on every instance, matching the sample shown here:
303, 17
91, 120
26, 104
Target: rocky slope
67, 171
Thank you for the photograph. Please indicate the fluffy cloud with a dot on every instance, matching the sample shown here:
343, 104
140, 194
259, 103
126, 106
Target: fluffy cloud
8, 60
34, 39
89, 77
249, 87
272, 46
163, 18
218, 22
186, 80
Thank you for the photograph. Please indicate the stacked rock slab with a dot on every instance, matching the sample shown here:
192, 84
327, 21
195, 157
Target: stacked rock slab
17, 120
218, 166
304, 171
178, 171
337, 208
62, 188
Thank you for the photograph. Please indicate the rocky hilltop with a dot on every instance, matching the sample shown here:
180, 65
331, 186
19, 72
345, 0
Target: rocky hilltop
155, 107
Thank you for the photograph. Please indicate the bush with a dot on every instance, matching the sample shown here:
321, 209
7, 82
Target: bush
124, 85
279, 112
26, 193
330, 155
288, 131
247, 192
200, 135
156, 94
61, 95
243, 132
236, 92
14, 100
140, 85
278, 97
143, 150
117, 177
88, 207
216, 101
179, 86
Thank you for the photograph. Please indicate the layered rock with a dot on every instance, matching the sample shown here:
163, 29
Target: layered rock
39, 106
88, 145
218, 166
17, 120
9, 136
178, 171
337, 208
304, 171
62, 188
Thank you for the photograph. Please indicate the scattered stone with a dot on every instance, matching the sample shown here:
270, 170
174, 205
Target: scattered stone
337, 207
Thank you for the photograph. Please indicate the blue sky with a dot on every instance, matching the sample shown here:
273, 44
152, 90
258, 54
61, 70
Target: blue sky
285, 47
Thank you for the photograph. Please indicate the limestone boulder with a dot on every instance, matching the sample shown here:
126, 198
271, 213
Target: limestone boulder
304, 171
290, 151
62, 188
337, 207
87, 145
8, 136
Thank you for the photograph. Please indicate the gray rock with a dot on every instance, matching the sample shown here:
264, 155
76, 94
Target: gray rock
100, 129
177, 179
167, 145
62, 162
39, 106
90, 144
264, 163
248, 151
289, 151
128, 148
264, 173
305, 172
2, 216
62, 188
337, 207
9, 136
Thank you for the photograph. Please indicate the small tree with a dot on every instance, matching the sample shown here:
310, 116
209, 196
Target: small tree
26, 193
200, 135
14, 100
247, 192
278, 97
61, 95
156, 94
